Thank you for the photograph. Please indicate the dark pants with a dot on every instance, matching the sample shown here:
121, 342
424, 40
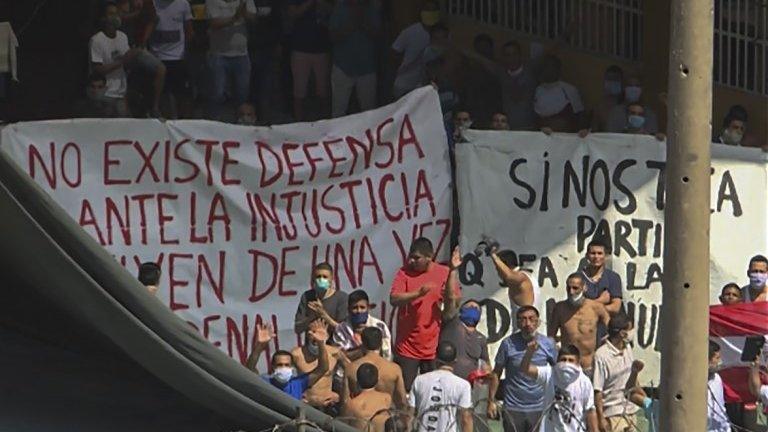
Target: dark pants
411, 368
516, 421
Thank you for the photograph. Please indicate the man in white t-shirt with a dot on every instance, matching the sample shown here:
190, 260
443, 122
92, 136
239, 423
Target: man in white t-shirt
109, 54
569, 400
717, 418
409, 47
557, 104
439, 395
228, 58
168, 43
756, 386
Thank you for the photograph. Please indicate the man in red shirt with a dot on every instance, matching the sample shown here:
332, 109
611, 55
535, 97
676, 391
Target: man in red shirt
417, 292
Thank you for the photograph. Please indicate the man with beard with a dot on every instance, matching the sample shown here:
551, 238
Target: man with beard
523, 398
576, 320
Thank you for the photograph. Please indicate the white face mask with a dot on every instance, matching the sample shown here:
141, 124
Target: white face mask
576, 300
282, 374
566, 373
732, 137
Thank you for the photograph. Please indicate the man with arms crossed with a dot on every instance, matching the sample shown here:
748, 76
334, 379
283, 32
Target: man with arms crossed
576, 320
417, 292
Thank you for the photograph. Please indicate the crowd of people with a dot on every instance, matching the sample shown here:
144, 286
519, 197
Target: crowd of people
260, 62
436, 373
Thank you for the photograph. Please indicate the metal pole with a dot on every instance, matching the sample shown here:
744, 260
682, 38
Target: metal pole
686, 240
301, 416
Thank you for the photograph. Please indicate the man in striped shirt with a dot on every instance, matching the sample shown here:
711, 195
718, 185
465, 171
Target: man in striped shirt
348, 333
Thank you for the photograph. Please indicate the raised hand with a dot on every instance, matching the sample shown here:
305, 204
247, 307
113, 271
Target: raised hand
532, 346
456, 258
264, 334
318, 331
637, 366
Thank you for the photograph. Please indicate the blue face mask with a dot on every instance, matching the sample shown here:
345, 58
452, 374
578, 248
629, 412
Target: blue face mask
322, 284
636, 121
358, 318
470, 316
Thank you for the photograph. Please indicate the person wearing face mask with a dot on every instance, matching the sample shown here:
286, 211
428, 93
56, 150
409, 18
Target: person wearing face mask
409, 47
618, 121
110, 55
417, 291
757, 271
348, 334
246, 114
569, 400
523, 398
733, 131
613, 81
613, 363
284, 376
460, 327
323, 301
95, 105
306, 358
390, 374
557, 104
462, 121
717, 419
576, 320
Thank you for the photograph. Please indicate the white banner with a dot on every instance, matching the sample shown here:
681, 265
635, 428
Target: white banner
238, 216
545, 197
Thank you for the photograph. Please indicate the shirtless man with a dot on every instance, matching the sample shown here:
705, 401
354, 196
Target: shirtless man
518, 282
390, 376
576, 319
370, 404
320, 395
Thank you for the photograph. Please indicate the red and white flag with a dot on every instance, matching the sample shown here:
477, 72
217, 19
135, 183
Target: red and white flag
732, 327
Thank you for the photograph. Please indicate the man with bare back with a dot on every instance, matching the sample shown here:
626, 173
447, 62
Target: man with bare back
576, 319
521, 286
369, 409
320, 395
390, 376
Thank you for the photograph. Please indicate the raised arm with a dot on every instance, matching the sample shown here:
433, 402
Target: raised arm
525, 365
264, 334
319, 335
450, 297
754, 379
518, 283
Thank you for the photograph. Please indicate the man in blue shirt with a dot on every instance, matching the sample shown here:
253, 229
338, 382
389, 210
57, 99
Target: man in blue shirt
603, 284
283, 374
523, 398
